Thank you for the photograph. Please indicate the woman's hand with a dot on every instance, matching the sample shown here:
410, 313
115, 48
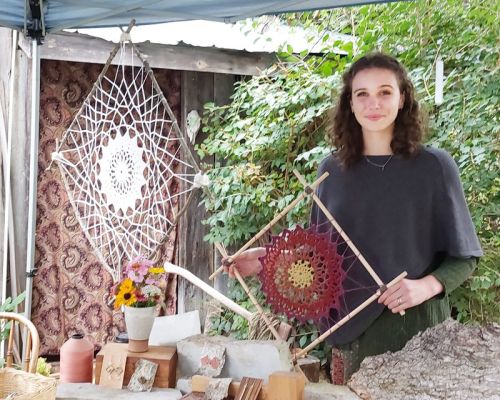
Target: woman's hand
247, 263
410, 293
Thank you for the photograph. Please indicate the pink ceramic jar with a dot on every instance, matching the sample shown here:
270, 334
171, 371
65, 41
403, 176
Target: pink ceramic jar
77, 355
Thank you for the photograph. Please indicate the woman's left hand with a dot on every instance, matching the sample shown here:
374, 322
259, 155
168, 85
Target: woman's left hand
410, 293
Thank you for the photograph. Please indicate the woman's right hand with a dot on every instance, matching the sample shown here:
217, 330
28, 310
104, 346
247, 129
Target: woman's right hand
247, 263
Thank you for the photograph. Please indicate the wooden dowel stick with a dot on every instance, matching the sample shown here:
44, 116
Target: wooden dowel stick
273, 222
257, 305
341, 232
174, 269
254, 301
357, 310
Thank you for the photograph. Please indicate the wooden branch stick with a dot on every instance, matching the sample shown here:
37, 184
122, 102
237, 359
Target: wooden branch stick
257, 306
254, 301
273, 222
341, 232
174, 269
357, 310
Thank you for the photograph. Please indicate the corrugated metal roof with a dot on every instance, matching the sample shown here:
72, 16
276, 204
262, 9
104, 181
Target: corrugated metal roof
269, 35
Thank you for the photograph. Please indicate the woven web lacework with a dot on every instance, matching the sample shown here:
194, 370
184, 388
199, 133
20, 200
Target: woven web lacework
308, 273
122, 165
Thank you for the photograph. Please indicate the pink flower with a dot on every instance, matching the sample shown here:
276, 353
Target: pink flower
151, 281
137, 268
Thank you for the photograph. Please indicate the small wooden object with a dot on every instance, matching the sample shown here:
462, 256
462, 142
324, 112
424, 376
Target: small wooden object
143, 377
310, 366
193, 396
286, 385
113, 368
164, 356
199, 384
249, 389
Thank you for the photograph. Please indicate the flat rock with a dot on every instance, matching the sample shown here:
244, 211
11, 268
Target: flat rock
448, 361
255, 358
184, 385
326, 391
89, 391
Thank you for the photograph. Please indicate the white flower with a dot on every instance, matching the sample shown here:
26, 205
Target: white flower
151, 291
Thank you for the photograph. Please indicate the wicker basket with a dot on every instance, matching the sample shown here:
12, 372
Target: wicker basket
20, 385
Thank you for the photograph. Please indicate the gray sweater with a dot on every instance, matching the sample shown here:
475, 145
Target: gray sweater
411, 216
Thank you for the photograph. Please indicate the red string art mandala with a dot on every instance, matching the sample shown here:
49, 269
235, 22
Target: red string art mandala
302, 274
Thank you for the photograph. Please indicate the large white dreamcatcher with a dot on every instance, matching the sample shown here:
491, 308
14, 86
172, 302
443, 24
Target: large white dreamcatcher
123, 162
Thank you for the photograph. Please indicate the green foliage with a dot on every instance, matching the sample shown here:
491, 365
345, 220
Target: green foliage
10, 306
276, 122
231, 323
478, 300
43, 367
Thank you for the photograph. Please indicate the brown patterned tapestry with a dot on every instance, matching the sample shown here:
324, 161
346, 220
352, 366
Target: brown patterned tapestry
71, 291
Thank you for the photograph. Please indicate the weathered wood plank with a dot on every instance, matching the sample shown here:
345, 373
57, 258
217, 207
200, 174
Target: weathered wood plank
83, 48
192, 252
223, 90
18, 165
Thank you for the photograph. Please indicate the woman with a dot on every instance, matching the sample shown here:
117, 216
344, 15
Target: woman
403, 206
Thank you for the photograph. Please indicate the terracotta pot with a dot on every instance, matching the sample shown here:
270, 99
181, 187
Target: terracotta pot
139, 322
77, 355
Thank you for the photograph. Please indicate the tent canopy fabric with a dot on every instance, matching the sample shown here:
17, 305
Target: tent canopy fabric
63, 14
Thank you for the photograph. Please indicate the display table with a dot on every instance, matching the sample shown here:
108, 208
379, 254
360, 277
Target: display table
164, 356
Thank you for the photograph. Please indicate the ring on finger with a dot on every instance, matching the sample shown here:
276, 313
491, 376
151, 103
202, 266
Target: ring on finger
399, 301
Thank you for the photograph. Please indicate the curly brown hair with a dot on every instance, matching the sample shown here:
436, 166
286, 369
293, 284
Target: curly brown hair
345, 131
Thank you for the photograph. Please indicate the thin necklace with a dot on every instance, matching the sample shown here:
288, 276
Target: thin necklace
381, 166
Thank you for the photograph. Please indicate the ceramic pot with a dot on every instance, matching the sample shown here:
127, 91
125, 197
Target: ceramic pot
77, 355
139, 322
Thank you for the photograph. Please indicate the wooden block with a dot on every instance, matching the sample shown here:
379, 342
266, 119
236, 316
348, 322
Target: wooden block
113, 368
249, 389
286, 385
310, 366
193, 396
199, 384
164, 356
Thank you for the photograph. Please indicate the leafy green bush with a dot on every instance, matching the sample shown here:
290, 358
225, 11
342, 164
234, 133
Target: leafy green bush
274, 124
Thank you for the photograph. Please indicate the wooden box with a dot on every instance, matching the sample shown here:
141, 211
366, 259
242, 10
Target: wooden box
165, 357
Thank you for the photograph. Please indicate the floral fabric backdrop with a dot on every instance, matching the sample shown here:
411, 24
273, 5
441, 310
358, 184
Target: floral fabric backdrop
71, 291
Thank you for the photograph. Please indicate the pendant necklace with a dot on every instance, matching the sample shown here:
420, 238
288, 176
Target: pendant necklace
381, 166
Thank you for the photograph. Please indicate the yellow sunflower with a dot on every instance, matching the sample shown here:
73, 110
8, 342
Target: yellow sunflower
125, 296
127, 284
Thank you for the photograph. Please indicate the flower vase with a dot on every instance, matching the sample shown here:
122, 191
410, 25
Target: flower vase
139, 322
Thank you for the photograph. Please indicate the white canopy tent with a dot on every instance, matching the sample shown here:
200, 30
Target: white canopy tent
45, 16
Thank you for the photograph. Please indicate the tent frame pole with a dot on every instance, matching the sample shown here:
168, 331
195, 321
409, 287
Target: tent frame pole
34, 136
7, 168
6, 156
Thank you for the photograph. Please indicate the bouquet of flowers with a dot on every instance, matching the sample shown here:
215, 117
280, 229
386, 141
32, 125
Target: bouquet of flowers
142, 285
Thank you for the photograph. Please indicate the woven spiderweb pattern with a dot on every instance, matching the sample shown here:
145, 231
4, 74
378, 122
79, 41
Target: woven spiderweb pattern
121, 163
302, 274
